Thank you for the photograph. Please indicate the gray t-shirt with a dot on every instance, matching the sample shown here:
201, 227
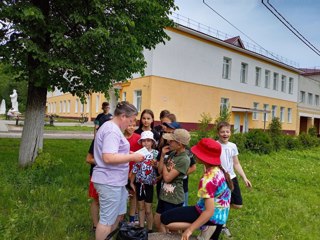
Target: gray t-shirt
110, 139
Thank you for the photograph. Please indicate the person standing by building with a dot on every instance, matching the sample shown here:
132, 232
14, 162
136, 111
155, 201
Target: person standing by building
110, 175
230, 162
102, 117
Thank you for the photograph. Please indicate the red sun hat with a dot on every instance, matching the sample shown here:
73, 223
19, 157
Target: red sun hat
208, 150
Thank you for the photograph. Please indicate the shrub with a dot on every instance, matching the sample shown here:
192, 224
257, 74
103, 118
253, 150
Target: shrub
307, 140
258, 141
313, 131
204, 129
240, 140
275, 127
291, 142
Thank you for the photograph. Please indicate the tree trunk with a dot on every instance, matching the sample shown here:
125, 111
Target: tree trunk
32, 134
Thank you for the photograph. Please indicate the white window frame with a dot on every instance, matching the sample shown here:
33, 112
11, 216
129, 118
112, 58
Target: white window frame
88, 105
266, 108
275, 81
97, 103
310, 98
258, 77
64, 106
283, 83
316, 100
282, 110
267, 78
244, 73
302, 96
49, 108
76, 105
224, 103
255, 115
289, 116
124, 96
54, 107
137, 99
291, 84
68, 106
273, 111
60, 110
226, 69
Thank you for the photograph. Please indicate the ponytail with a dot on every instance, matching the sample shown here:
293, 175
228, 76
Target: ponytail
227, 177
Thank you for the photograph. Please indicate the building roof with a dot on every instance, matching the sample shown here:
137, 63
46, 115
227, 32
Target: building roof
235, 41
310, 71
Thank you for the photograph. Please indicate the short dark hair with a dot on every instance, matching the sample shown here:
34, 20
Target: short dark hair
172, 117
105, 104
164, 113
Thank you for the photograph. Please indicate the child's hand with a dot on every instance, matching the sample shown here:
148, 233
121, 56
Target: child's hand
247, 182
165, 149
133, 187
154, 163
170, 165
186, 234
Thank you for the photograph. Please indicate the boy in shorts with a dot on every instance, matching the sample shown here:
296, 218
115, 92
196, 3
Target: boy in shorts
230, 161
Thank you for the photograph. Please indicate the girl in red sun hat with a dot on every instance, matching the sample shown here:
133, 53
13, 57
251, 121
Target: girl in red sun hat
214, 192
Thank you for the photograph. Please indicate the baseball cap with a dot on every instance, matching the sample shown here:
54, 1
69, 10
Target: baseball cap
173, 125
180, 135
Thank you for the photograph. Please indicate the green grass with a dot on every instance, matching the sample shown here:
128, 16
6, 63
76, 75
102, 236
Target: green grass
49, 201
69, 128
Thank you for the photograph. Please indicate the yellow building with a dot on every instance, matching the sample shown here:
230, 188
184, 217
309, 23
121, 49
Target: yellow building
194, 73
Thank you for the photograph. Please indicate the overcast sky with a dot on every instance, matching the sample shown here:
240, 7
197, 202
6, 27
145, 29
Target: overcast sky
256, 21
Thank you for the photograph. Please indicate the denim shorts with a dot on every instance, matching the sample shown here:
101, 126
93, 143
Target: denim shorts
113, 202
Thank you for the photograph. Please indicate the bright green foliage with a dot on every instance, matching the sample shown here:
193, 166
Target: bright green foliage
313, 131
275, 127
258, 141
96, 42
224, 115
204, 130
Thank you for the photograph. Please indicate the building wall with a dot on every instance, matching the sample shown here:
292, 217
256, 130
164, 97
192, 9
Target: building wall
191, 59
189, 100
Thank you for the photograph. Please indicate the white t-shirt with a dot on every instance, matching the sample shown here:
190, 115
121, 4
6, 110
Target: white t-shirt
228, 151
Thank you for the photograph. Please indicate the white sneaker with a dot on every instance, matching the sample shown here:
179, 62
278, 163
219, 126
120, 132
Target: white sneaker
226, 231
206, 232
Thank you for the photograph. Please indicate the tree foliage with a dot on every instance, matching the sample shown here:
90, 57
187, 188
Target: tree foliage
92, 42
78, 46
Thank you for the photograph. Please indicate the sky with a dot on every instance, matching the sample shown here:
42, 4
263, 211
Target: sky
260, 25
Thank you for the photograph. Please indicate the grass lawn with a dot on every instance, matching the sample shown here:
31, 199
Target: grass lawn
69, 128
50, 200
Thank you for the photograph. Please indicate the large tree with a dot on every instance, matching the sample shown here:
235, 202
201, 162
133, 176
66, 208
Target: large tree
78, 46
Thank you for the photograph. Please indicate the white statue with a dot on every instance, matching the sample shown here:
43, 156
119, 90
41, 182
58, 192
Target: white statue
3, 107
14, 101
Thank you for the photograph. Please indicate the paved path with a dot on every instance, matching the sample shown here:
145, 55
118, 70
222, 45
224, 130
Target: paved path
9, 130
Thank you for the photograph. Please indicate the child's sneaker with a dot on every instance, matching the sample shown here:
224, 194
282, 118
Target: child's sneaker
226, 231
206, 232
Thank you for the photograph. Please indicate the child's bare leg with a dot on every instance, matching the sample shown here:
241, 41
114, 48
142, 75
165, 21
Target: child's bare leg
142, 213
149, 215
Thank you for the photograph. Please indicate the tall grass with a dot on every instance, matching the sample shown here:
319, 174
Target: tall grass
49, 200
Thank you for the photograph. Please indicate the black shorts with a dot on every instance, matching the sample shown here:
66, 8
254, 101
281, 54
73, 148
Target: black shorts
164, 206
144, 192
188, 215
236, 197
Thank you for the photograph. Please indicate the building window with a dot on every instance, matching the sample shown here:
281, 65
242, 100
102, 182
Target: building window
54, 107
244, 73
310, 98
274, 111
289, 115
282, 114
255, 114
267, 79
275, 81
81, 107
283, 83
258, 76
88, 104
97, 103
290, 85
224, 104
124, 96
76, 106
60, 110
316, 100
226, 70
49, 108
68, 106
137, 99
302, 96
64, 106
266, 115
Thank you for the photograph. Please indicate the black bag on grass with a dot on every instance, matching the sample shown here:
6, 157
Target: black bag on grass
127, 232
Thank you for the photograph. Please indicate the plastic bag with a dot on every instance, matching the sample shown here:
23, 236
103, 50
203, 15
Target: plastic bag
127, 232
